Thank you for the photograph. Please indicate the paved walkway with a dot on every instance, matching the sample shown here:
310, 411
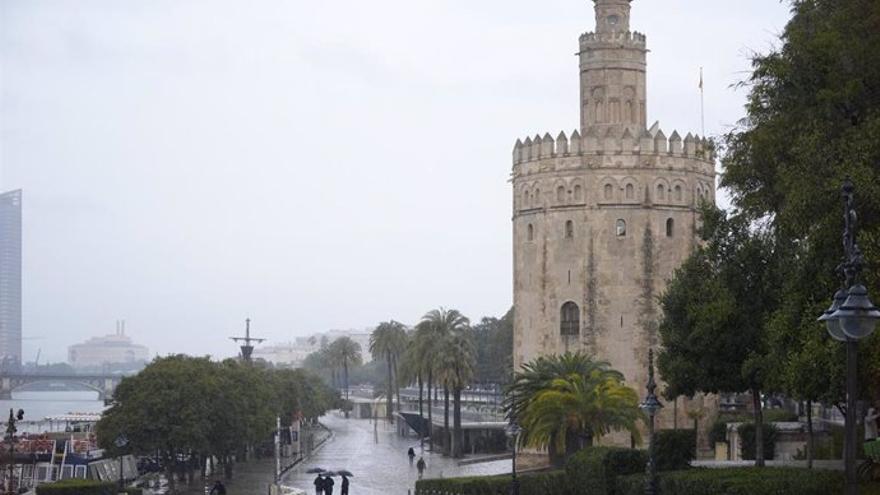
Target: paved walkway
377, 457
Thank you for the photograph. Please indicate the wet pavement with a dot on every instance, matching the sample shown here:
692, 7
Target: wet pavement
376, 455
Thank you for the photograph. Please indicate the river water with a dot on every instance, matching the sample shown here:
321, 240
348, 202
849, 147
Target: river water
39, 405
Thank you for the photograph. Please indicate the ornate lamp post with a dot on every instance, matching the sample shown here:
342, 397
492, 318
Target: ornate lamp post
851, 317
650, 406
513, 431
10, 437
121, 442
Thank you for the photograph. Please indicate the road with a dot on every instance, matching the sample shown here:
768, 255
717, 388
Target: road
377, 457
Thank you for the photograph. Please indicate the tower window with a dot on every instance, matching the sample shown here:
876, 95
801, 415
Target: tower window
609, 192
530, 233
570, 319
560, 194
525, 199
630, 191
661, 192
578, 193
621, 228
537, 201
569, 229
678, 195
670, 227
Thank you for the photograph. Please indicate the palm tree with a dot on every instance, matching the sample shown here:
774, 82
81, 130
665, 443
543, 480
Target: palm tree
347, 353
388, 342
434, 328
456, 368
563, 402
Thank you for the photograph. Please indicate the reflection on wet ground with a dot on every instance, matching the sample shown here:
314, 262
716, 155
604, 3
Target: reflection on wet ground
377, 457
371, 450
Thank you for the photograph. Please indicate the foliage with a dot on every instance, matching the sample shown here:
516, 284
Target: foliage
716, 310
181, 406
814, 119
494, 342
84, 487
738, 481
344, 353
718, 433
675, 449
388, 342
554, 482
595, 470
747, 435
562, 401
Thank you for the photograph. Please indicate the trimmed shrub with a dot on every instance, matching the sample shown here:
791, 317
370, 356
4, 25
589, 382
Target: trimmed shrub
738, 481
529, 484
675, 449
747, 435
84, 487
595, 469
718, 433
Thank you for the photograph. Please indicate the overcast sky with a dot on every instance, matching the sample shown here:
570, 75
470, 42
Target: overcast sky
310, 164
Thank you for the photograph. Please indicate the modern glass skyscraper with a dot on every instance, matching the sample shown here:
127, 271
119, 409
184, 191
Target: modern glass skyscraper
10, 279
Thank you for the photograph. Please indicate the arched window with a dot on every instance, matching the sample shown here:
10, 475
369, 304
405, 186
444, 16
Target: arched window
661, 192
678, 194
525, 198
570, 319
670, 227
609, 192
569, 229
621, 228
578, 193
630, 191
530, 233
537, 201
560, 194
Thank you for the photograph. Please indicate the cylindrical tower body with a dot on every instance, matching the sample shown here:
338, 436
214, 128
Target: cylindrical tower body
602, 219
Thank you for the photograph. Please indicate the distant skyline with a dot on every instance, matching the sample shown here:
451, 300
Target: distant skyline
311, 166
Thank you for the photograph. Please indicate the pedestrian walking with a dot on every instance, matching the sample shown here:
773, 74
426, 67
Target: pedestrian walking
344, 485
328, 486
412, 455
218, 488
421, 466
319, 485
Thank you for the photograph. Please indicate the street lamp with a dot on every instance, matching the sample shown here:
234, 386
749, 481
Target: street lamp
513, 431
650, 406
121, 442
10, 437
851, 317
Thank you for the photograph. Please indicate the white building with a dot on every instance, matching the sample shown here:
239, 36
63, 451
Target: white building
110, 349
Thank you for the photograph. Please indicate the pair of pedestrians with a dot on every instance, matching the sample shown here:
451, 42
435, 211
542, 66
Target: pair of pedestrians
324, 485
421, 466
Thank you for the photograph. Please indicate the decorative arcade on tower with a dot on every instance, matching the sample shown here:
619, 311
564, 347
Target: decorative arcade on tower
602, 217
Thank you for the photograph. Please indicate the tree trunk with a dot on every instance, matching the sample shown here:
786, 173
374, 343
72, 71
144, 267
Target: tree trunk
759, 428
421, 389
809, 434
446, 435
389, 400
457, 440
345, 377
556, 460
430, 410
397, 383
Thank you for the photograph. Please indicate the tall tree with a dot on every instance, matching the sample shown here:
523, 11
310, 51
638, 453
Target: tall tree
387, 342
347, 352
813, 118
435, 326
716, 311
455, 369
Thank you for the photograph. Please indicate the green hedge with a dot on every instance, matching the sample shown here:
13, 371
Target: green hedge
747, 434
675, 449
84, 487
738, 481
530, 484
594, 470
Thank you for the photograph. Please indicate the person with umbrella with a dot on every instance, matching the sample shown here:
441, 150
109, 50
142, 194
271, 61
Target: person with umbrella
344, 485
412, 455
319, 485
421, 466
328, 484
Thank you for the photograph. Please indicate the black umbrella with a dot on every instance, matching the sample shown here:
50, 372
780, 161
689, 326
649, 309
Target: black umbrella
345, 472
316, 470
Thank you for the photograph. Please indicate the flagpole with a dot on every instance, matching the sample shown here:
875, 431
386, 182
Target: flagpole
702, 105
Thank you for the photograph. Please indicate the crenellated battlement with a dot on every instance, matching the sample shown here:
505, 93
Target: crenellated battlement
650, 142
626, 37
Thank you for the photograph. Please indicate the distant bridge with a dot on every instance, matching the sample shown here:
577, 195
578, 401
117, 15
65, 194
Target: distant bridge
104, 385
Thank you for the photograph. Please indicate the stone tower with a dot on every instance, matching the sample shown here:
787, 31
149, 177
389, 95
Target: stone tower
603, 217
